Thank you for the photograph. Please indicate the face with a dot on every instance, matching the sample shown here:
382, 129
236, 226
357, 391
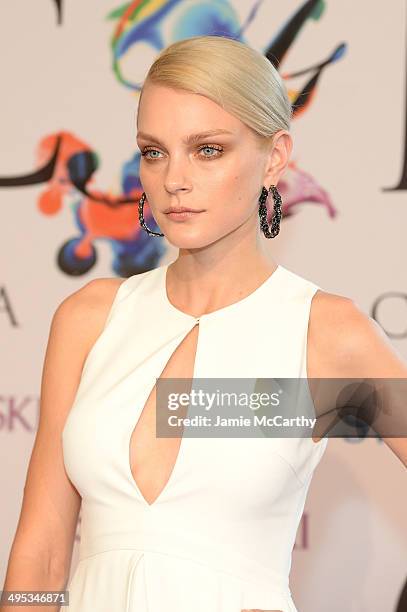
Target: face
219, 174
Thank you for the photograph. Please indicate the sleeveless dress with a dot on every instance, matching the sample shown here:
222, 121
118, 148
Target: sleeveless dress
220, 535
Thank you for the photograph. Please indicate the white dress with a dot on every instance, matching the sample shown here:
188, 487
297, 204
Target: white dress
220, 535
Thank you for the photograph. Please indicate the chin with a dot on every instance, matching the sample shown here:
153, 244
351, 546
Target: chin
186, 242
184, 238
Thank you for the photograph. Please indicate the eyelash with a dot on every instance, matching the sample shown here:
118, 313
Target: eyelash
214, 147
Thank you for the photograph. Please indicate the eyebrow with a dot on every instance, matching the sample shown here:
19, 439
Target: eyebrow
192, 138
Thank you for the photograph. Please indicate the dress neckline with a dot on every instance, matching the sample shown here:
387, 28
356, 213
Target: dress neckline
271, 279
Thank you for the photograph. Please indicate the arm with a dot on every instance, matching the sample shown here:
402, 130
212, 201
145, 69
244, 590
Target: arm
41, 551
350, 344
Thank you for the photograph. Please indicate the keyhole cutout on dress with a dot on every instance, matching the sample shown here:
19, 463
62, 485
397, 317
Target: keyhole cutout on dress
153, 459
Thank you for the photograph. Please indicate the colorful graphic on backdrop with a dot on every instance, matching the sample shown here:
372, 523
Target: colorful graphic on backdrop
67, 165
58, 4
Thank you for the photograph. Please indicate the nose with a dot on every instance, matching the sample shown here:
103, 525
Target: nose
176, 178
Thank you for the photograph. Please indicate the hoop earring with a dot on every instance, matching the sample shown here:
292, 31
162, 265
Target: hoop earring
272, 230
141, 217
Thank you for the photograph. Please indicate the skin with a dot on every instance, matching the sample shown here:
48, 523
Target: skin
225, 240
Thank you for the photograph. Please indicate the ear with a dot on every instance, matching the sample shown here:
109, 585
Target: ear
277, 157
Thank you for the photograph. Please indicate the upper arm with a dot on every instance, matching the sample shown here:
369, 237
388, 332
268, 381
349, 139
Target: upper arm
51, 503
347, 343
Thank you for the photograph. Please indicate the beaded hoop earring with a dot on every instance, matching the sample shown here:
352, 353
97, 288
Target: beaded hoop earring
141, 217
273, 230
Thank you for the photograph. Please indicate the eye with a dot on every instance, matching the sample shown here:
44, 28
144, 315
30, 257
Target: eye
218, 150
145, 151
214, 149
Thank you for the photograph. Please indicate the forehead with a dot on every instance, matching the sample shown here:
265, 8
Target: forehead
163, 108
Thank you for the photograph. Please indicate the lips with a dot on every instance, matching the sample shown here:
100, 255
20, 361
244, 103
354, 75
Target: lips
183, 215
180, 210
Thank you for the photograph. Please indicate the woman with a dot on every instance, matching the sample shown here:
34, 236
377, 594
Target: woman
171, 523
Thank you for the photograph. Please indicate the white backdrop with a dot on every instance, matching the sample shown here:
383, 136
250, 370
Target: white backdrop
351, 549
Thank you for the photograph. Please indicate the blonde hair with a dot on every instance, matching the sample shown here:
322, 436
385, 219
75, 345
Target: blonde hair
232, 74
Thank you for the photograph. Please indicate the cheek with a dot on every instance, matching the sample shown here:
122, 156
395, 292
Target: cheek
231, 180
237, 192
244, 187
145, 175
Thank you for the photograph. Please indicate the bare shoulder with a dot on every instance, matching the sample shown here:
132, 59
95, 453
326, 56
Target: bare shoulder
345, 343
85, 310
342, 337
331, 309
98, 293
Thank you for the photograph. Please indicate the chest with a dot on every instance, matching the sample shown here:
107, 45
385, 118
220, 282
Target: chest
152, 458
110, 436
